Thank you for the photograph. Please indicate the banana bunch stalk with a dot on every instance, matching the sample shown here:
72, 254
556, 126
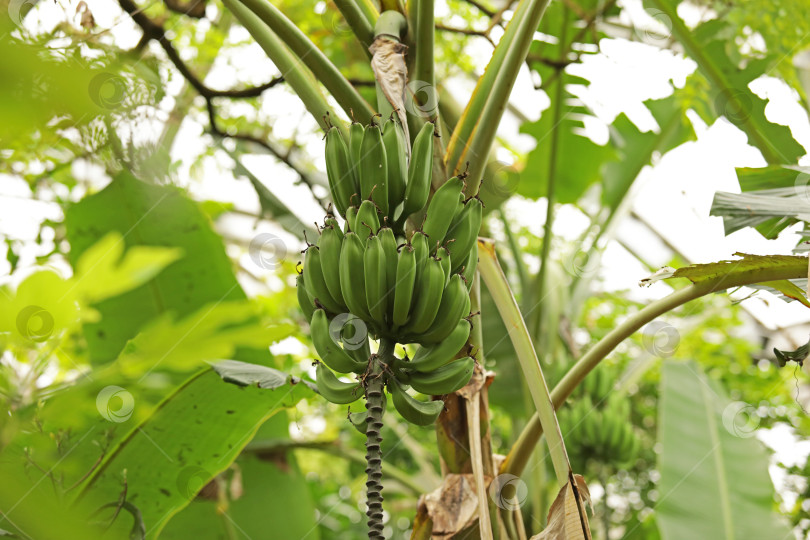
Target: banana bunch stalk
368, 279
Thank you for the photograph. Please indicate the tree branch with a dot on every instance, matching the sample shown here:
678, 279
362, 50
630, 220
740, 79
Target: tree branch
283, 157
154, 31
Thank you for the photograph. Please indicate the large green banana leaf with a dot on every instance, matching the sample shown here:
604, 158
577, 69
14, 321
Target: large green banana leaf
714, 472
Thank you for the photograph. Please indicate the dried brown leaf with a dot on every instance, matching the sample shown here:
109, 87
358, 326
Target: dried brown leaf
453, 506
567, 518
388, 63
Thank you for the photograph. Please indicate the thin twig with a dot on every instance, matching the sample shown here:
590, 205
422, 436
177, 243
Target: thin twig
154, 31
283, 157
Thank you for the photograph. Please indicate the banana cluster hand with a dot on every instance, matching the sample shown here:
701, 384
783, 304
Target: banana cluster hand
602, 432
404, 288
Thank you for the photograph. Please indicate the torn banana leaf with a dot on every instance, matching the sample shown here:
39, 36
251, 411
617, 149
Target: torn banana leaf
798, 356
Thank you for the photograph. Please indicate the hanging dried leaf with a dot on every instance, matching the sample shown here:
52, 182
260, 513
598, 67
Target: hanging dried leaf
453, 506
388, 63
477, 382
567, 518
87, 20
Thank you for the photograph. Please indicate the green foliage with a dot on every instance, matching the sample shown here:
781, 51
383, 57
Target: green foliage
105, 387
148, 215
194, 434
710, 465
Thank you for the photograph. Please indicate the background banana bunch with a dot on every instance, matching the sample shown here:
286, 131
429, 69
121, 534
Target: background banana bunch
598, 427
371, 279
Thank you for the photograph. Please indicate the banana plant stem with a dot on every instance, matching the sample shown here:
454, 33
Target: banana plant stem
361, 25
308, 53
518, 456
295, 73
550, 198
507, 306
423, 63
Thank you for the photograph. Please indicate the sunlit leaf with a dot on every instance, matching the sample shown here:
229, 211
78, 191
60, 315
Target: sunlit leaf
212, 332
103, 270
193, 435
150, 216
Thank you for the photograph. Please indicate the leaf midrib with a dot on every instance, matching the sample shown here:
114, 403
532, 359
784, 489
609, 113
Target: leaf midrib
719, 462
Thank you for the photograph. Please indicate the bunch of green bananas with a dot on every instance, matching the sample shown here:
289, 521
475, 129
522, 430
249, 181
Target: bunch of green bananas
371, 279
602, 432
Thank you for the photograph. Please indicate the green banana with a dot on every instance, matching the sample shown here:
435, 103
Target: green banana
332, 222
307, 306
428, 358
339, 170
590, 427
396, 153
351, 219
313, 279
613, 433
464, 232
358, 419
455, 304
352, 279
428, 296
447, 264
335, 390
420, 171
329, 245
356, 132
402, 374
444, 205
359, 351
389, 245
420, 413
367, 221
376, 280
373, 168
420, 245
330, 352
470, 265
569, 428
405, 280
446, 379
